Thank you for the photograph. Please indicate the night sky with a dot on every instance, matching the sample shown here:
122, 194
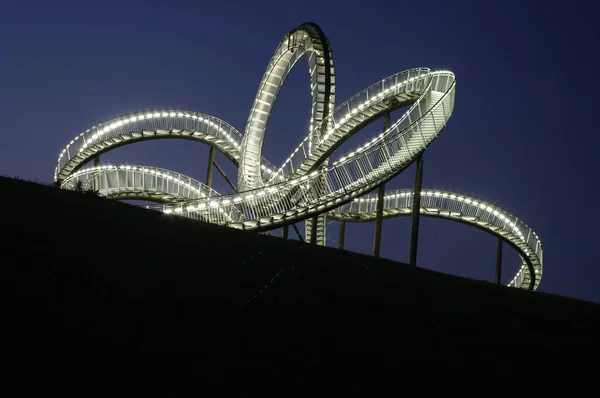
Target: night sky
522, 136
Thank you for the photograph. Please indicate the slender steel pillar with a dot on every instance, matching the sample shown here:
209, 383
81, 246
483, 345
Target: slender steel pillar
286, 229
96, 164
378, 221
498, 262
209, 172
342, 235
313, 230
380, 195
220, 170
416, 210
298, 233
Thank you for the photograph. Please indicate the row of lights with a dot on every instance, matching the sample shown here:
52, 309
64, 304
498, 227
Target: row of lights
338, 125
152, 172
319, 55
369, 144
237, 199
482, 205
380, 96
381, 135
141, 169
201, 206
148, 115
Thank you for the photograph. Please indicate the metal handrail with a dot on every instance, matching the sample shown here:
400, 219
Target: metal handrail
345, 179
455, 206
157, 120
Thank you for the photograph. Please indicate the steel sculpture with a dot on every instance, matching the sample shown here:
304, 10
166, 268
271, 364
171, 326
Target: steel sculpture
307, 185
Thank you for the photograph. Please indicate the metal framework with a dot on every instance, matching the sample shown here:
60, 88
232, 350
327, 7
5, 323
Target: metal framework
306, 186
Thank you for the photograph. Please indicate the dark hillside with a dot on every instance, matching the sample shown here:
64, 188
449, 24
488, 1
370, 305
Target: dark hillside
90, 283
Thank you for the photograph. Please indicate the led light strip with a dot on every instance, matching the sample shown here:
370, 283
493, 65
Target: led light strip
113, 124
94, 135
356, 111
150, 171
499, 221
304, 40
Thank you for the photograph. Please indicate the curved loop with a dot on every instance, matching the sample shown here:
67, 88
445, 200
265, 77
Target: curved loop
387, 95
110, 180
146, 183
394, 149
143, 126
303, 197
308, 40
462, 208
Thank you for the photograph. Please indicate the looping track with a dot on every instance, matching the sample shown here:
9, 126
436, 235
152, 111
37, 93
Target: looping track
306, 184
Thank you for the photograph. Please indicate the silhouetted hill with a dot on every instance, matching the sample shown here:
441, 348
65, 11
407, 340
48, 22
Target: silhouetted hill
95, 287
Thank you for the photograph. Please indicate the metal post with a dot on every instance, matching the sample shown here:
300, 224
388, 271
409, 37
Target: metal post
220, 170
416, 209
342, 235
96, 182
209, 172
498, 262
378, 221
313, 230
380, 196
284, 235
297, 233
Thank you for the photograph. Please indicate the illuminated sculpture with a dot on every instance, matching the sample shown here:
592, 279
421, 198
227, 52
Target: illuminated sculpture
307, 186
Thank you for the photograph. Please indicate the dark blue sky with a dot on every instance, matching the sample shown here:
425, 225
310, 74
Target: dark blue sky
522, 134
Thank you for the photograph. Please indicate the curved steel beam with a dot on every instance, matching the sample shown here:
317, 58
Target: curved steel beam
142, 126
394, 92
133, 181
109, 180
148, 196
461, 208
306, 40
300, 198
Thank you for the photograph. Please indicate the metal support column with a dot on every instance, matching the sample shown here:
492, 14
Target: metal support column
498, 262
285, 232
297, 233
220, 170
378, 221
96, 182
380, 196
209, 172
313, 230
416, 210
342, 235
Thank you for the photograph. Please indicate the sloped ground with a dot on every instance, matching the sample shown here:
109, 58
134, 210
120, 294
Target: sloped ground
94, 287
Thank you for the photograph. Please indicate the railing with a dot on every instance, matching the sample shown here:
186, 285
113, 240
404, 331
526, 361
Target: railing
459, 207
149, 121
109, 180
307, 40
345, 180
125, 179
412, 80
